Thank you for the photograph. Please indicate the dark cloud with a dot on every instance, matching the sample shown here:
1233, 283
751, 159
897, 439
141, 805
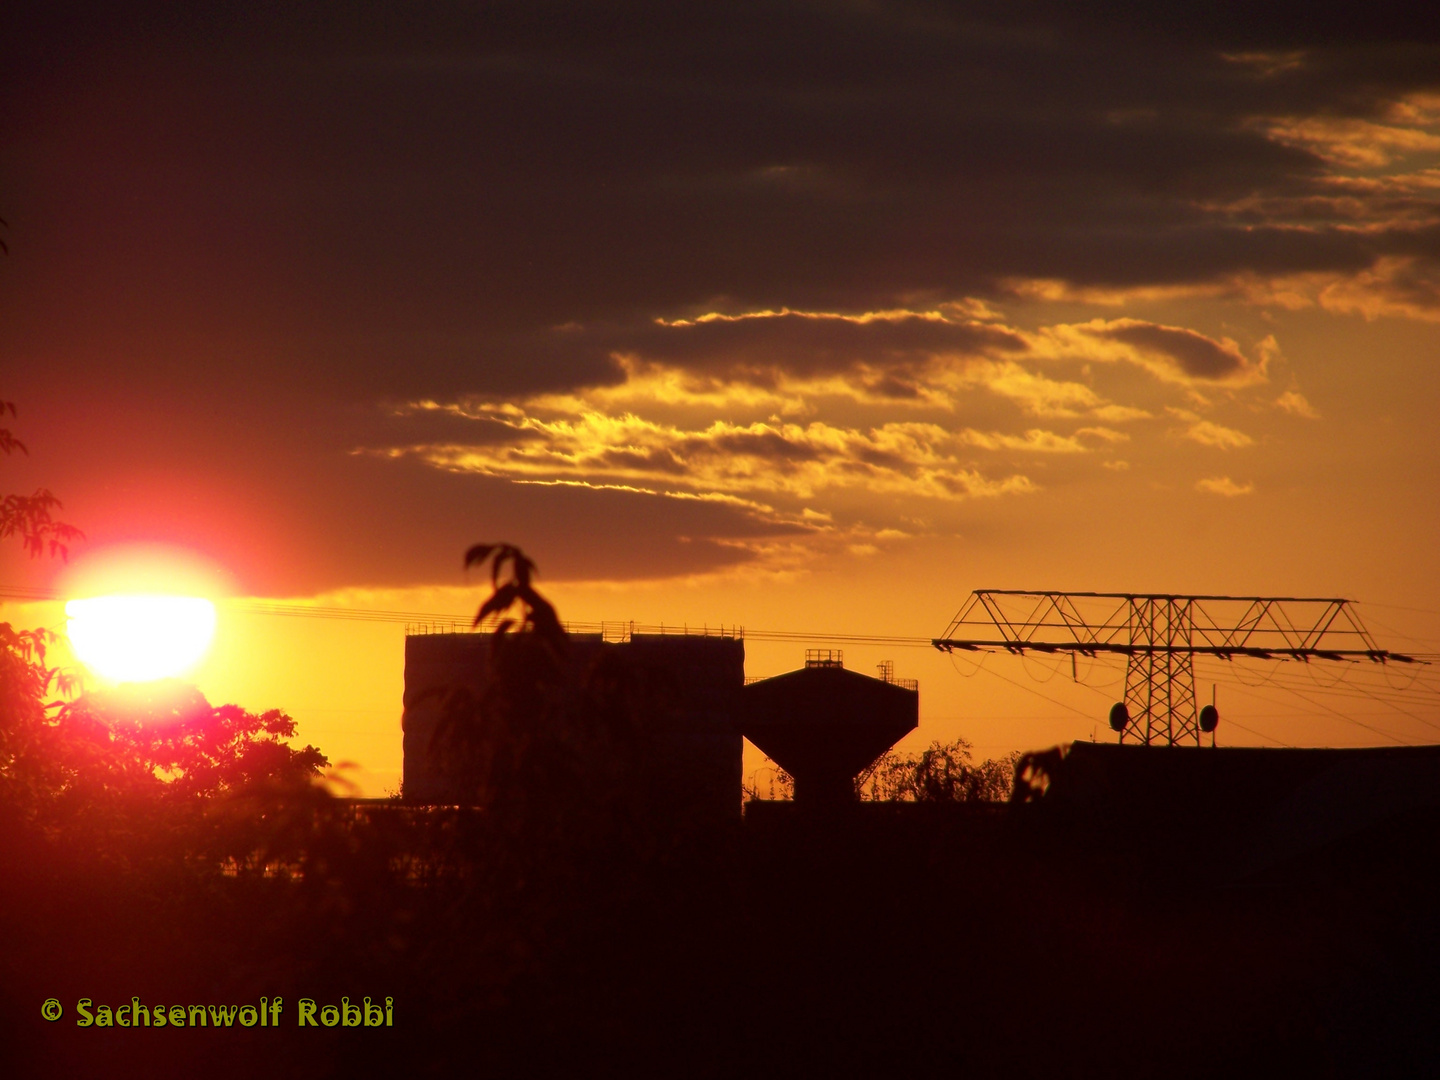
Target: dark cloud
804, 343
651, 460
1196, 355
424, 183
374, 523
288, 510
252, 213
769, 446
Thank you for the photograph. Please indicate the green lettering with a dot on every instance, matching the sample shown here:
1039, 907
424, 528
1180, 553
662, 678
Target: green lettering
247, 1015
121, 1016
177, 1015
86, 1016
197, 1010
159, 1013
373, 1016
103, 1016
329, 1016
138, 1013
219, 1015
307, 1013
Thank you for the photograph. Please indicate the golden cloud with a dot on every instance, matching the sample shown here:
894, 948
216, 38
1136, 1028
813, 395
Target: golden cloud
1268, 64
1399, 286
1058, 290
1208, 433
1294, 403
1223, 485
1352, 143
1173, 354
1394, 286
1036, 394
1358, 205
788, 360
1377, 193
790, 363
809, 436
739, 460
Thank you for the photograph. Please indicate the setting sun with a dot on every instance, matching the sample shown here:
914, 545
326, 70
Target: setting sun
138, 638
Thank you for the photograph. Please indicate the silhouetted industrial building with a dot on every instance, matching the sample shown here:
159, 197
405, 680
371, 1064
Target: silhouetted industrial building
1233, 812
687, 684
821, 723
824, 725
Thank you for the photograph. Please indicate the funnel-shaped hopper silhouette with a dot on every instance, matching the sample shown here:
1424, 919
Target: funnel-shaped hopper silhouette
824, 725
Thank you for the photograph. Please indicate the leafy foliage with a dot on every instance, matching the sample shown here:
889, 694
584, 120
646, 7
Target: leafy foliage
153, 770
164, 738
772, 783
26, 682
30, 516
943, 772
151, 766
1034, 772
511, 572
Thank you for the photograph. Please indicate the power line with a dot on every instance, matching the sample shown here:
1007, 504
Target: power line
1162, 635
1343, 688
1032, 690
1082, 713
463, 623
1399, 607
1230, 722
1348, 719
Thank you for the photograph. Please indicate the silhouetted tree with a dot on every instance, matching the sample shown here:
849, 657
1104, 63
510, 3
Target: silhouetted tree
944, 772
29, 516
156, 761
26, 680
26, 716
165, 739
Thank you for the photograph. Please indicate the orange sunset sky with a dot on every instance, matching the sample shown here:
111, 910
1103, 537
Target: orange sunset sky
805, 318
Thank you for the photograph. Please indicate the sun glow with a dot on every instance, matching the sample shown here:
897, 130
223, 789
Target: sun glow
136, 638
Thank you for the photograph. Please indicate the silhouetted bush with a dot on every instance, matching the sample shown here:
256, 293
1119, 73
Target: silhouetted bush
943, 772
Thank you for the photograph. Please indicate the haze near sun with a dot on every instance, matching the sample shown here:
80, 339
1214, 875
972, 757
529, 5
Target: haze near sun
140, 611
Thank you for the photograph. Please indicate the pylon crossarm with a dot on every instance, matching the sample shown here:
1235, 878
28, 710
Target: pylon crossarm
1293, 626
1160, 634
1224, 652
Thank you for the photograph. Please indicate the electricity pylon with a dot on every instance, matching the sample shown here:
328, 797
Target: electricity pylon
1160, 635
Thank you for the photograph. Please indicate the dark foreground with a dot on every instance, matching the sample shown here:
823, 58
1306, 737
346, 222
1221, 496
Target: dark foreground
890, 940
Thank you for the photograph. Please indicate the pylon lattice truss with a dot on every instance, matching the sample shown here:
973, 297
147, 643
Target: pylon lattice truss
1160, 635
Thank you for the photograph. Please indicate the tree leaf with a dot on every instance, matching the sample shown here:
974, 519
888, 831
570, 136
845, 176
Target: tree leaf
479, 553
499, 600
